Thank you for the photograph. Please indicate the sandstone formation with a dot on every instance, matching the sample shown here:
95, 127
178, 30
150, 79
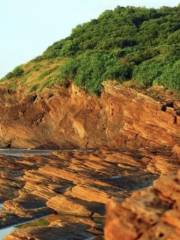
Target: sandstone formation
129, 162
71, 118
75, 186
150, 214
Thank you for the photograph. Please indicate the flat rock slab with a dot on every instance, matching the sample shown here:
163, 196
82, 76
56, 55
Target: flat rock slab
76, 186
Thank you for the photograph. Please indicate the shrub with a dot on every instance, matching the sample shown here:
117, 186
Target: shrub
17, 72
89, 70
170, 77
147, 72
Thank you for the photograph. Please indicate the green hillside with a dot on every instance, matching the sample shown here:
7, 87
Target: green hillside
137, 45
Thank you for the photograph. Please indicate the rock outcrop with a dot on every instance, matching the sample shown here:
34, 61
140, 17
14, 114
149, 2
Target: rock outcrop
71, 118
129, 163
72, 188
150, 214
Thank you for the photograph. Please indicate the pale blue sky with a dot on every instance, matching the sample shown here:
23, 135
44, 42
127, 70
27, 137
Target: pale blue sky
28, 27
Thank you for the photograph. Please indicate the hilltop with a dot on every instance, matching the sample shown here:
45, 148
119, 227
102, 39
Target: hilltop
139, 47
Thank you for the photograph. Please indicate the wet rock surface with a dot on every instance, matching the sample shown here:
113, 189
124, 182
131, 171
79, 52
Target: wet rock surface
75, 187
152, 213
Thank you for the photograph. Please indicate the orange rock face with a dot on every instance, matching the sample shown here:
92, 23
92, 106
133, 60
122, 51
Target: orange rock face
150, 214
72, 118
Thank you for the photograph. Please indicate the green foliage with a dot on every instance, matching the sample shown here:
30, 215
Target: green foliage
127, 43
147, 72
36, 223
174, 38
90, 69
121, 28
171, 76
69, 48
17, 72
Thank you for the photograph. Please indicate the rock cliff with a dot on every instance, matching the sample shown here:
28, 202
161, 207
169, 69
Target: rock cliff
71, 118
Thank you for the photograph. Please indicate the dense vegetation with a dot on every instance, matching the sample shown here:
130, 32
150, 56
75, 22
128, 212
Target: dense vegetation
137, 44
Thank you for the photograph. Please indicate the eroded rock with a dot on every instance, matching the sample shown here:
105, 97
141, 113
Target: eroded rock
150, 214
72, 118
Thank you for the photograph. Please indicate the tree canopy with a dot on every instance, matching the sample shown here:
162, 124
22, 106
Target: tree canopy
127, 43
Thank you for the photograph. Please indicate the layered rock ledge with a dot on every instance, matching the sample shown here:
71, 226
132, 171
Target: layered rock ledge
71, 188
71, 118
131, 166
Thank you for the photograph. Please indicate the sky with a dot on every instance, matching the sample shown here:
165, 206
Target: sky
28, 27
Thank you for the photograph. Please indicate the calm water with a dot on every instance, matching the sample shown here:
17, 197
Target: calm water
4, 232
21, 152
8, 230
42, 152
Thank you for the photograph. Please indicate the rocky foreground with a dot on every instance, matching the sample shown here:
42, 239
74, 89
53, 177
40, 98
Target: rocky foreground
132, 166
150, 214
72, 188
